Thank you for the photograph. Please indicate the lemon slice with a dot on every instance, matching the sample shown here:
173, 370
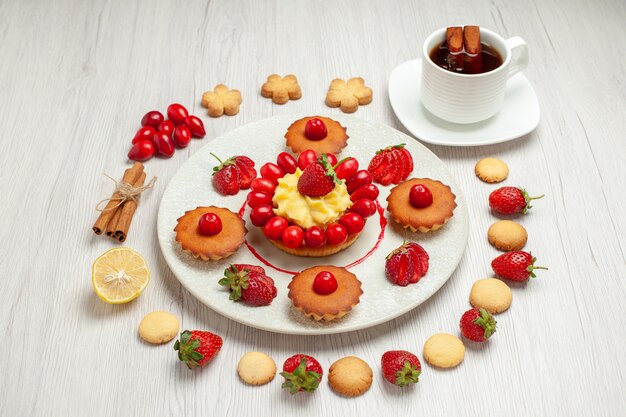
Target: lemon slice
119, 275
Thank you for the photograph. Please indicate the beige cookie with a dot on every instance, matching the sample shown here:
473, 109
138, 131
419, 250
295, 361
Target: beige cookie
491, 170
507, 235
348, 95
491, 294
158, 327
281, 89
444, 350
222, 101
350, 376
256, 368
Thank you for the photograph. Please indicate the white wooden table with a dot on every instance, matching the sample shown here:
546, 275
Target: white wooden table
76, 77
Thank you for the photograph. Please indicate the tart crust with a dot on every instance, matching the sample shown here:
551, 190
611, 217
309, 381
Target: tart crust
426, 219
325, 307
215, 247
334, 142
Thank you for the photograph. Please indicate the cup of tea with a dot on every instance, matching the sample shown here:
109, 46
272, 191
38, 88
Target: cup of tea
462, 87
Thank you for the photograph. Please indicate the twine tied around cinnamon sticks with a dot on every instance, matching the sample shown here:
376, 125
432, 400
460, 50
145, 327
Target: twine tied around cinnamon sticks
118, 213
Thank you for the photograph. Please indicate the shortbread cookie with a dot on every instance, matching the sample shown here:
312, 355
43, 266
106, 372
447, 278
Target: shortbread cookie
507, 235
348, 95
491, 294
491, 170
350, 376
158, 327
281, 89
444, 350
256, 368
222, 101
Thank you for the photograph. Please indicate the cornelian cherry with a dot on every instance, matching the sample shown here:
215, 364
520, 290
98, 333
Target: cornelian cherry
306, 158
275, 227
369, 191
420, 196
286, 162
257, 198
181, 136
195, 125
347, 169
152, 118
336, 234
163, 144
359, 179
177, 113
261, 214
315, 129
352, 222
364, 207
167, 126
293, 236
314, 237
209, 224
331, 158
325, 283
264, 185
144, 133
141, 151
271, 172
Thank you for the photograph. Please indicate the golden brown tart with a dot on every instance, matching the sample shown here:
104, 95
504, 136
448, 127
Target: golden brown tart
325, 307
424, 219
335, 140
216, 247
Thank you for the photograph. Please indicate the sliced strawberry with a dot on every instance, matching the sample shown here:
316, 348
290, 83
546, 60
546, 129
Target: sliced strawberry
421, 257
409, 166
377, 166
251, 268
245, 160
403, 157
397, 165
389, 173
246, 174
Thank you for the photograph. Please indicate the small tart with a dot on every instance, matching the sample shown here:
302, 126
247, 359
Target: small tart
334, 142
425, 219
325, 250
325, 307
215, 247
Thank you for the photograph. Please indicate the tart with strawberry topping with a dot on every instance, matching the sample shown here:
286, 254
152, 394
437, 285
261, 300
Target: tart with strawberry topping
421, 204
313, 206
210, 233
321, 134
325, 292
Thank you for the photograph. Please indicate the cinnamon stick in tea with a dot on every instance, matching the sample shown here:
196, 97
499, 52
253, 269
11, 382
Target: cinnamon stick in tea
126, 213
130, 177
473, 49
454, 40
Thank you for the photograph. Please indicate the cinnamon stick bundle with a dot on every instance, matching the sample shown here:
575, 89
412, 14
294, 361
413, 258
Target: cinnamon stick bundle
116, 217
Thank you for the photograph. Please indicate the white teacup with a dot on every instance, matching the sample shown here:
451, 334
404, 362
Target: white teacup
470, 98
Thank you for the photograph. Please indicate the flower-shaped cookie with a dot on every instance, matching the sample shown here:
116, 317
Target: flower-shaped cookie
348, 95
281, 89
222, 101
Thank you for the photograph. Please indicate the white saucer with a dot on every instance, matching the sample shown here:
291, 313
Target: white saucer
519, 116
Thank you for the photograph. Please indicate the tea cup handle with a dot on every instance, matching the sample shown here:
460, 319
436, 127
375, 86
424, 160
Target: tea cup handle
519, 55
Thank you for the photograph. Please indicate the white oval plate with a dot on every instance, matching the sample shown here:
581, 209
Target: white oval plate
262, 141
519, 115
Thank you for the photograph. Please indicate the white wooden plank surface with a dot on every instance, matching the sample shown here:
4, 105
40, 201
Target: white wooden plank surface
75, 78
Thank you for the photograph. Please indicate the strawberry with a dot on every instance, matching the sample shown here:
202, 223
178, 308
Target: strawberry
477, 324
318, 179
301, 373
511, 200
197, 347
401, 367
246, 171
516, 265
392, 164
233, 174
250, 284
406, 264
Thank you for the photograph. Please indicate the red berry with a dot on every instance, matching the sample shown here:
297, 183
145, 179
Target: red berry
325, 283
347, 169
195, 125
301, 373
226, 176
477, 324
317, 179
182, 136
293, 236
286, 162
314, 237
250, 284
359, 179
167, 126
163, 144
306, 158
406, 264
364, 207
391, 165
331, 158
401, 367
247, 173
352, 222
275, 227
511, 200
197, 347
177, 113
152, 118
264, 185
315, 129
336, 233
144, 133
516, 265
271, 172
209, 224
261, 214
257, 198
141, 151
369, 191
420, 196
